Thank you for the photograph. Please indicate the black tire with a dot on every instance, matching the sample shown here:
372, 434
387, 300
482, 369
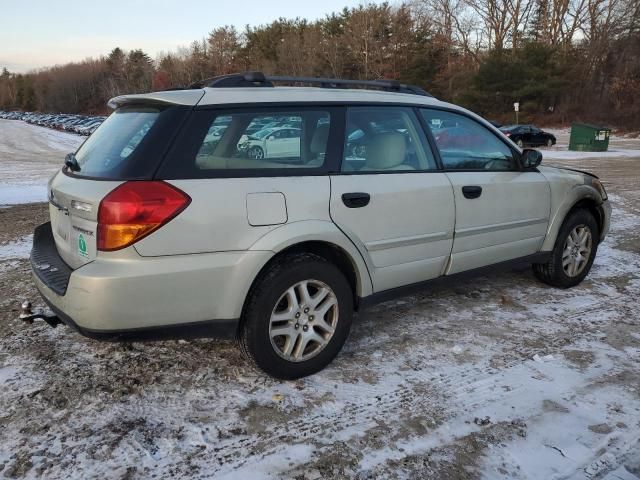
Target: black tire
520, 143
359, 151
549, 142
254, 337
256, 153
552, 272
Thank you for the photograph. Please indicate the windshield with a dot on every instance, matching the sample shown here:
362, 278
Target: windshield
115, 141
263, 133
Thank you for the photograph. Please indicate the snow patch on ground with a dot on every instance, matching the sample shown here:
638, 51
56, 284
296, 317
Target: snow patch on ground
29, 156
576, 421
26, 193
571, 155
16, 249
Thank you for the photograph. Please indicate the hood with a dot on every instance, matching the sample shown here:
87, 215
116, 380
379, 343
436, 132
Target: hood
561, 167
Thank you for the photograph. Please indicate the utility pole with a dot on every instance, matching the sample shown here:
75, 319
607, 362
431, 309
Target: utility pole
516, 107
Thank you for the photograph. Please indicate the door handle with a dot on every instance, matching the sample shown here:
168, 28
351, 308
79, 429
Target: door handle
472, 191
356, 199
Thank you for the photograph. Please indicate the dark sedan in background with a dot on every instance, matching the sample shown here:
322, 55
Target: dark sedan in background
528, 136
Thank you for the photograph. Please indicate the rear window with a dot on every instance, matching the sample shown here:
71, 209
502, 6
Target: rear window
130, 143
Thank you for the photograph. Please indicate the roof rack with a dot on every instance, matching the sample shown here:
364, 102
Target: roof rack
258, 79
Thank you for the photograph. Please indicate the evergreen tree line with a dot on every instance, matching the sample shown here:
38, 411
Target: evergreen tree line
563, 60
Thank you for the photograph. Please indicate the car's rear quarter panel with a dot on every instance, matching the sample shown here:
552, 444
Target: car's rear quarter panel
217, 219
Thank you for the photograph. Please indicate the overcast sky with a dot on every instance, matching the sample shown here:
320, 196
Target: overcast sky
37, 33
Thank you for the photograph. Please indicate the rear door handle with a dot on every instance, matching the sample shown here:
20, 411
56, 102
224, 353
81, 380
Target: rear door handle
472, 191
356, 199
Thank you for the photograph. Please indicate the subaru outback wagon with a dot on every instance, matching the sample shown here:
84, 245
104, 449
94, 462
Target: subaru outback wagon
164, 224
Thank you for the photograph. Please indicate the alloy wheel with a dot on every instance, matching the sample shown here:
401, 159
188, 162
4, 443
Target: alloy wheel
577, 250
303, 320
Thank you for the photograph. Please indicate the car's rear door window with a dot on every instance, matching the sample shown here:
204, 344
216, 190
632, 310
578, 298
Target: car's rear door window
385, 138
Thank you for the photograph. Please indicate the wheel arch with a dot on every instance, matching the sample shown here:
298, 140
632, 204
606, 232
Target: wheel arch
585, 197
321, 238
593, 207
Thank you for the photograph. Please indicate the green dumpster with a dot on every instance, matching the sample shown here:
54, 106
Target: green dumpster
589, 138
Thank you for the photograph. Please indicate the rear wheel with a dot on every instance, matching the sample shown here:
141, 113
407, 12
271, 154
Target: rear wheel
573, 253
520, 143
297, 317
549, 142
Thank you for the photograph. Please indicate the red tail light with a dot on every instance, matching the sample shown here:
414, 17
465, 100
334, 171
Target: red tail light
507, 134
134, 210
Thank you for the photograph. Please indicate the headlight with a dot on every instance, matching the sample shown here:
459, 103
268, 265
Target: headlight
597, 184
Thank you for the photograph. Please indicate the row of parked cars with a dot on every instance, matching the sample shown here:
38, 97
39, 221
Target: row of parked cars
81, 124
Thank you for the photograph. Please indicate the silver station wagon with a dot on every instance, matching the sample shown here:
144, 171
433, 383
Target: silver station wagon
271, 214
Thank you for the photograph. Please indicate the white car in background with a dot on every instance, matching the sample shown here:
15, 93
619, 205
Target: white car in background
278, 142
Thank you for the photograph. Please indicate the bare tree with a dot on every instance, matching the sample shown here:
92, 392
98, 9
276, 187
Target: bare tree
519, 10
497, 19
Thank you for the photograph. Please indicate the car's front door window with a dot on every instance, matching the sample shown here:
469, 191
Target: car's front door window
465, 144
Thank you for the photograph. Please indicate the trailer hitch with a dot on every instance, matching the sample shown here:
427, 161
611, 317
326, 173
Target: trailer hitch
27, 315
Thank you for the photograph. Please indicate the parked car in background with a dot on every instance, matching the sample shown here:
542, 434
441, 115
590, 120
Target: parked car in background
13, 115
81, 124
89, 126
278, 142
153, 233
528, 135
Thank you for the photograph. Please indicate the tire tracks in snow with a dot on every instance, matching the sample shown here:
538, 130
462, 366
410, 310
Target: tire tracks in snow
455, 386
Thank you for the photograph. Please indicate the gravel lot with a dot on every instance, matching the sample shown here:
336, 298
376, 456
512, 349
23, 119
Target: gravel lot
498, 377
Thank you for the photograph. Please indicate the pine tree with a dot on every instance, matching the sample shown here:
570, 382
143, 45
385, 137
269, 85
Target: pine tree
139, 71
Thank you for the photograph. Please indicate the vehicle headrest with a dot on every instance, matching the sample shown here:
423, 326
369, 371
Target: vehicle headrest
386, 150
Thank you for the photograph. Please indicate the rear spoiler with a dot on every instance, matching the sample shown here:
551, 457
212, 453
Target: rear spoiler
175, 97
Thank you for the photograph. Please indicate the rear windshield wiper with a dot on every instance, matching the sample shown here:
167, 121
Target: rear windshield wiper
71, 162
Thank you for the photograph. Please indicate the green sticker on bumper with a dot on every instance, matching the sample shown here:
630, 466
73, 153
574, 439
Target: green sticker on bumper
82, 246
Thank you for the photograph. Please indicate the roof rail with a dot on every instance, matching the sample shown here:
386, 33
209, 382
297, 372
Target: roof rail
258, 79
247, 79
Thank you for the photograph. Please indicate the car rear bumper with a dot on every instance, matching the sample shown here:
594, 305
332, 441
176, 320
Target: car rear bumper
198, 295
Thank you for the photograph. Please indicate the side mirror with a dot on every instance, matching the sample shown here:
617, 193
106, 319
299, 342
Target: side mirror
271, 138
531, 158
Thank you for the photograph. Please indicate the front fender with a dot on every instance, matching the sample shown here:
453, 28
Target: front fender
293, 233
563, 207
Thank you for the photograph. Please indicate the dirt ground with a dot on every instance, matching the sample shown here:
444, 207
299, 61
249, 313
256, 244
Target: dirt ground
496, 377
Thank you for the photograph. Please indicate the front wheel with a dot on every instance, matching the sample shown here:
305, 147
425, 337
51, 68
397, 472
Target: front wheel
297, 317
256, 153
573, 253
